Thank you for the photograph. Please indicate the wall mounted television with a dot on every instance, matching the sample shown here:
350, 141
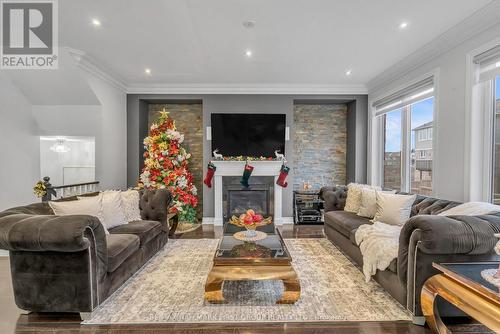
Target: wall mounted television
252, 135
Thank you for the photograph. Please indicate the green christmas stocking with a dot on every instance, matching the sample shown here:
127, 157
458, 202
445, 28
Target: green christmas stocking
246, 175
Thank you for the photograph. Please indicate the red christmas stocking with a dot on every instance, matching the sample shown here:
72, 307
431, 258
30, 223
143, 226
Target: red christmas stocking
283, 174
210, 174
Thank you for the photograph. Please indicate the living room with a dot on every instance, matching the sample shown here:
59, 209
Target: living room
258, 167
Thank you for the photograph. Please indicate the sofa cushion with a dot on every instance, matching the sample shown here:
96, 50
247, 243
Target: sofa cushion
146, 230
344, 222
120, 247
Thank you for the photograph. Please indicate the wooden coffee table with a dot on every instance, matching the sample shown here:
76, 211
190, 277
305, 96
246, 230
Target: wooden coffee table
266, 259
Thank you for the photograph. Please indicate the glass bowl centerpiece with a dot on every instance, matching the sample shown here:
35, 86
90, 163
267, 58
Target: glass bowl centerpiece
250, 221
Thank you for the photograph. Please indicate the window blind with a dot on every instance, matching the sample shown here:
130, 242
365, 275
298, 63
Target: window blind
413, 93
488, 64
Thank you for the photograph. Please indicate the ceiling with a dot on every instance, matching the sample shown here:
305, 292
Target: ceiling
299, 42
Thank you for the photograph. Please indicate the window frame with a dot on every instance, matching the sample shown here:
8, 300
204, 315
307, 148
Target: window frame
406, 144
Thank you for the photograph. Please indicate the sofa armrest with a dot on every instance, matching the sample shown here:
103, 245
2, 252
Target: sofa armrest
39, 233
428, 238
438, 235
154, 205
334, 197
452, 235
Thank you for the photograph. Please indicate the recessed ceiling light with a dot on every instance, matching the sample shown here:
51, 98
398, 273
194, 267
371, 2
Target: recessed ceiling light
147, 71
403, 25
249, 24
96, 22
248, 53
348, 72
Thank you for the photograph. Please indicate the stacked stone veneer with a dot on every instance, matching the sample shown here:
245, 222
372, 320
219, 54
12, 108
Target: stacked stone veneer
320, 144
189, 121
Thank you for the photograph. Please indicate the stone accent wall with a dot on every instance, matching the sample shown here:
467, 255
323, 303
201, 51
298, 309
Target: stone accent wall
320, 144
189, 121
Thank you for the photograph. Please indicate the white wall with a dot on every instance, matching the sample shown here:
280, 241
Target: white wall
106, 122
77, 165
111, 151
19, 147
450, 149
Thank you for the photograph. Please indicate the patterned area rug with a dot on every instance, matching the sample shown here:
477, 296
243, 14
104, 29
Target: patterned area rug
170, 288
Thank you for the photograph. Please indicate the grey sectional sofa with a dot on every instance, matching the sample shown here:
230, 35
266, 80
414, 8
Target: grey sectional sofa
424, 239
68, 263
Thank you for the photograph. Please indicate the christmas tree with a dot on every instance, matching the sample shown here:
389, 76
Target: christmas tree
166, 166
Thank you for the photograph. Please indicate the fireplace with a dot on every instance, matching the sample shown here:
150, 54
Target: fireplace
258, 197
231, 197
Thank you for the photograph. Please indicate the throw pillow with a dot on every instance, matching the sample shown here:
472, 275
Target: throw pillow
91, 206
393, 209
112, 209
368, 207
353, 200
130, 200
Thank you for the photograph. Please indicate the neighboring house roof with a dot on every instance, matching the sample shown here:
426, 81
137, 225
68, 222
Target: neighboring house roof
424, 126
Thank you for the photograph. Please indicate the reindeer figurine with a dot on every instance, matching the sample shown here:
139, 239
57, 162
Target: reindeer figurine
279, 156
217, 156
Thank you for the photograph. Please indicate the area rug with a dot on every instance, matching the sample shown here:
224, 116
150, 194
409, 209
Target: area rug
170, 288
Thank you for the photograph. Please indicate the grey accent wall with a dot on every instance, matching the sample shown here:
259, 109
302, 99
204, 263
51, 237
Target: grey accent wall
137, 129
357, 129
274, 104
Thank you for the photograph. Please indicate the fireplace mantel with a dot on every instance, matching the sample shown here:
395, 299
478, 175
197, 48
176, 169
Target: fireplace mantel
235, 168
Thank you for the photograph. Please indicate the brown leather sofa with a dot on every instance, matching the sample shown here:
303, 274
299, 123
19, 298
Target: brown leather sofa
424, 239
68, 263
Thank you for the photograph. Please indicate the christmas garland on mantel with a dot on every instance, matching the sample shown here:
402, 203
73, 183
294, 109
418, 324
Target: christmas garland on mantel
243, 158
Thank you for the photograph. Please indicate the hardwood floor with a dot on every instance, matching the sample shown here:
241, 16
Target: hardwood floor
14, 320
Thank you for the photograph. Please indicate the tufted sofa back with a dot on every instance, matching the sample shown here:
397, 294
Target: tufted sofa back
154, 205
424, 205
335, 197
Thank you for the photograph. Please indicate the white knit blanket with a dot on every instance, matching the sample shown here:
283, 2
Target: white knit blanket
379, 244
472, 209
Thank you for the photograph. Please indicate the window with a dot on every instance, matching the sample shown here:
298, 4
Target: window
407, 118
392, 149
496, 145
484, 184
421, 117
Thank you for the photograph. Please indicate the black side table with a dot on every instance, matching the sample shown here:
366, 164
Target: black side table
307, 207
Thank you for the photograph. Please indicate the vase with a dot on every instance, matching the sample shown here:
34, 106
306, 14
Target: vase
250, 232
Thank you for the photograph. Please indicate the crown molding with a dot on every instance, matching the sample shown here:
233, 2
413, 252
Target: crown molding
276, 89
88, 65
476, 23
84, 62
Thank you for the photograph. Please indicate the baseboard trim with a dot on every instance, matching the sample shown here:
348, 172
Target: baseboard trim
208, 220
286, 220
4, 253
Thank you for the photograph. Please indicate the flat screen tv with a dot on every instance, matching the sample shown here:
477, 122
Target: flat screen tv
251, 135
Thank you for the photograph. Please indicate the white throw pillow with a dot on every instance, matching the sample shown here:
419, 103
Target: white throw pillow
353, 200
91, 206
112, 207
368, 207
130, 200
393, 209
